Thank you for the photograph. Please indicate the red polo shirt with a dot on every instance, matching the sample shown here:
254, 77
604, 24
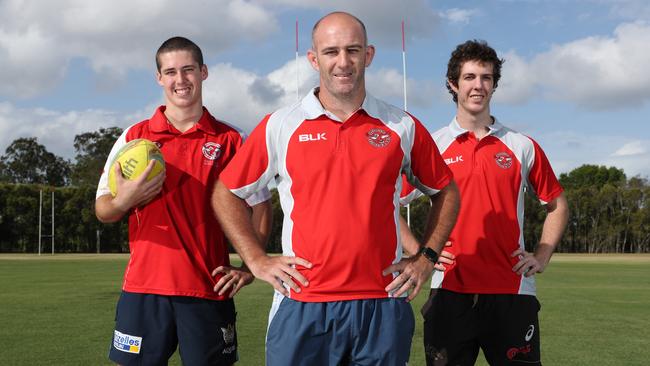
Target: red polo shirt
492, 175
339, 185
175, 241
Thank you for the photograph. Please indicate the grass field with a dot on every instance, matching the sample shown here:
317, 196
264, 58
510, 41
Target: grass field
58, 310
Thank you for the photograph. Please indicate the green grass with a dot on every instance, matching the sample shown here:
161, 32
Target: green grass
59, 311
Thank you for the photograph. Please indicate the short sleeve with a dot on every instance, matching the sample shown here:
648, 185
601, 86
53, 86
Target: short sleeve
252, 167
542, 178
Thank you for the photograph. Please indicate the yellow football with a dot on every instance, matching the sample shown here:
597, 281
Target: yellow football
134, 158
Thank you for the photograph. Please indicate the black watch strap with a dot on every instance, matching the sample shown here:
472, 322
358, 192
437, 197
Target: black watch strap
429, 254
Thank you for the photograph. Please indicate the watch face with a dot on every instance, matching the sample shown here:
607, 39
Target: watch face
430, 254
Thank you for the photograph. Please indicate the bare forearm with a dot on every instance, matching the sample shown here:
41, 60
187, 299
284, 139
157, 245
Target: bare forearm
236, 222
553, 229
442, 217
262, 217
409, 242
107, 211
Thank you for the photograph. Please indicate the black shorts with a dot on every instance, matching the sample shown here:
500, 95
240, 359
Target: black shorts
149, 327
504, 326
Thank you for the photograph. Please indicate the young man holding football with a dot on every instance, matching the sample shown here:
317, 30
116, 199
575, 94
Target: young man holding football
178, 284
484, 289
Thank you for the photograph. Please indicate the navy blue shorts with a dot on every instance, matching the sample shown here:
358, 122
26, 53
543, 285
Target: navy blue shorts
504, 326
354, 332
149, 327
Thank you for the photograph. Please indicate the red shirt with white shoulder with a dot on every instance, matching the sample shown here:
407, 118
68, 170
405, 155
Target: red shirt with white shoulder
175, 240
339, 185
492, 175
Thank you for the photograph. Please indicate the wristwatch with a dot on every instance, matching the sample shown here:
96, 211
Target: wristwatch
429, 254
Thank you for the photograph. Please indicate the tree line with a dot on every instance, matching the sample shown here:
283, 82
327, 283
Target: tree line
610, 213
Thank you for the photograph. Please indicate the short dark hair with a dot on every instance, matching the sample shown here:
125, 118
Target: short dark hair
363, 27
179, 44
472, 50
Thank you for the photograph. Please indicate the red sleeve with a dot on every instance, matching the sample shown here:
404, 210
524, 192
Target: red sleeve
430, 173
249, 169
542, 178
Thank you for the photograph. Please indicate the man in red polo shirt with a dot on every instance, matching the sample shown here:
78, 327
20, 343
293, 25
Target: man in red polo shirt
338, 155
487, 290
178, 284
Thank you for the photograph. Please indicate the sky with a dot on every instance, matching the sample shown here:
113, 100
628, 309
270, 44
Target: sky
576, 75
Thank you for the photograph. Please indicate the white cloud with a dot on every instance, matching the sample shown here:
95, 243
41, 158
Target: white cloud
461, 16
595, 72
633, 148
388, 84
38, 40
23, 70
518, 83
633, 157
234, 95
55, 130
242, 97
599, 72
568, 150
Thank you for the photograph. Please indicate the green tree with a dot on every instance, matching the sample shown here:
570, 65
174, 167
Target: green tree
28, 162
92, 149
593, 176
419, 215
19, 217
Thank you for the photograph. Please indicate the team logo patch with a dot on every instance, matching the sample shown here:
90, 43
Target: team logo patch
211, 150
229, 338
127, 342
378, 137
503, 160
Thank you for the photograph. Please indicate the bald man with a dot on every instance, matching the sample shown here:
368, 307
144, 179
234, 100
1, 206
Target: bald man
342, 286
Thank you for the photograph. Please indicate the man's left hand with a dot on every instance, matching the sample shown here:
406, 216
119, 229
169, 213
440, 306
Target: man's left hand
528, 264
233, 278
414, 272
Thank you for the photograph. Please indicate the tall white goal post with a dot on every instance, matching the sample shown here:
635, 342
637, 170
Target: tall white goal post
40, 222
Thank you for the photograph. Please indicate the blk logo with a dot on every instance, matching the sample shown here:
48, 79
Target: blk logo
455, 159
312, 137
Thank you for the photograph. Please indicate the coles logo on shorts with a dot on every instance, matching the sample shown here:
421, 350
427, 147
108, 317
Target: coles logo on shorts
211, 150
126, 342
378, 137
503, 160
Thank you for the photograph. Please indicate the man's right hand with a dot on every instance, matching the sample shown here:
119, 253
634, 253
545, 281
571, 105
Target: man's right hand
280, 271
136, 192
